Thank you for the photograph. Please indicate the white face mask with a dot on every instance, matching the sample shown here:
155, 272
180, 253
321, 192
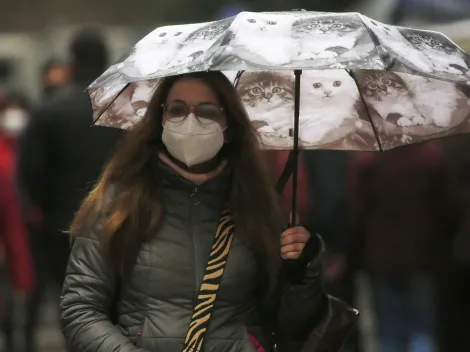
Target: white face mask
191, 141
13, 121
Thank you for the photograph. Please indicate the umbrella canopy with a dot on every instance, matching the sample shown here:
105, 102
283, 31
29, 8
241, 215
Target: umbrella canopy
365, 85
288, 41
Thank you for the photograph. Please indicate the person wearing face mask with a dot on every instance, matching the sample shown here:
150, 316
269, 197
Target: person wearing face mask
14, 116
180, 246
15, 251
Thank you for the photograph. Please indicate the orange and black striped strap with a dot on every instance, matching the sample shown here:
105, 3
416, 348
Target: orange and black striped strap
210, 284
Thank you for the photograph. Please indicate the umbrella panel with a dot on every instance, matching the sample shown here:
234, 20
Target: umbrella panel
334, 113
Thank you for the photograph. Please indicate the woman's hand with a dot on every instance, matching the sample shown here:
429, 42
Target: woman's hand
293, 241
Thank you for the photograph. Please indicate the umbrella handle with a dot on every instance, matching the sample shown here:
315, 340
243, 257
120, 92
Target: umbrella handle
295, 150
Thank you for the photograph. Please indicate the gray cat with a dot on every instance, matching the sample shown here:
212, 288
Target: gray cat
388, 94
331, 36
443, 54
268, 97
202, 43
408, 100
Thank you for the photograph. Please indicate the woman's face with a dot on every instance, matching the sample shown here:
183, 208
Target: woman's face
193, 95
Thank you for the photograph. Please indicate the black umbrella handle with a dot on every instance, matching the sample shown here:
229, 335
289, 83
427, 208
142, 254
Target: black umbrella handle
295, 149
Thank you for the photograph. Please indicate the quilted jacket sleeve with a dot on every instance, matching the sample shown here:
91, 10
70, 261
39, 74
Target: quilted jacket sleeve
86, 301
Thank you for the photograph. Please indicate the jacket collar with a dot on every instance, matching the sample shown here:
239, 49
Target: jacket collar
214, 183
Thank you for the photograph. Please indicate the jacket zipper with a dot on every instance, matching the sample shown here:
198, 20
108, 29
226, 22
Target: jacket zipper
197, 274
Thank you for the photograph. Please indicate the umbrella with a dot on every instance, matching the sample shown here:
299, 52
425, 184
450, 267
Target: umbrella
309, 80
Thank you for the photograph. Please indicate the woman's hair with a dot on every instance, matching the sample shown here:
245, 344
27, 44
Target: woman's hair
135, 212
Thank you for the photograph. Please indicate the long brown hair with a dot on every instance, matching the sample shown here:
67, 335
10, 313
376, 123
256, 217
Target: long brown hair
135, 212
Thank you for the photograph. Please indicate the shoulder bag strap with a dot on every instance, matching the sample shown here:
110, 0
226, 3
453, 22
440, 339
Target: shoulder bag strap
210, 284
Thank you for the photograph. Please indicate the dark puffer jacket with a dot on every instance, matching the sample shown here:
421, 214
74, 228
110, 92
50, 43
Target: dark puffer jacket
155, 305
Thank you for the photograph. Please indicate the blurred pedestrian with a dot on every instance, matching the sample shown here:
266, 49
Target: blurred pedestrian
454, 307
329, 215
404, 214
55, 75
15, 252
61, 156
14, 116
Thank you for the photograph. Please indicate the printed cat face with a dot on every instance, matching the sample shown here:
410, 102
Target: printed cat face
259, 88
429, 41
328, 84
141, 94
265, 23
165, 35
379, 85
326, 25
210, 31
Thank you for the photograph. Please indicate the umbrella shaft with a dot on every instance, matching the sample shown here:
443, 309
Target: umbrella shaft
295, 151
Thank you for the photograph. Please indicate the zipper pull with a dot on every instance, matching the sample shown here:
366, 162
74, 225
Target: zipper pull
193, 195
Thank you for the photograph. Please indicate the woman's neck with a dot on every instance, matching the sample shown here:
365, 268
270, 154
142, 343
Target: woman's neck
198, 173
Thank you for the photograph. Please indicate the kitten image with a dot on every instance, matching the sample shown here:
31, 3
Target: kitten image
388, 94
327, 99
396, 46
141, 95
201, 43
444, 55
260, 39
104, 96
327, 36
436, 100
154, 52
268, 97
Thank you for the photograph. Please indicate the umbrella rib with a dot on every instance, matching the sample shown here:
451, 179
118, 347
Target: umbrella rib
374, 128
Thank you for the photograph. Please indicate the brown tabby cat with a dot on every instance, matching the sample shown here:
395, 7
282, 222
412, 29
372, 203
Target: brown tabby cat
268, 96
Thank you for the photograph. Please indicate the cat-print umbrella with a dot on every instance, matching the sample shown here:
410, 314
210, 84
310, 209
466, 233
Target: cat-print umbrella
308, 80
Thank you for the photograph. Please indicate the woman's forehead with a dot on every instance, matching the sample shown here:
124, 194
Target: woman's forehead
192, 91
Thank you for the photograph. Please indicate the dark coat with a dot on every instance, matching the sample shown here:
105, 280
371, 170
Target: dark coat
405, 213
60, 158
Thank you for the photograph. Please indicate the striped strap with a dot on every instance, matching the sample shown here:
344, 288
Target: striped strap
210, 284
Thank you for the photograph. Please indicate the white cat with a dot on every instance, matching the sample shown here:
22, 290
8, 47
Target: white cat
327, 99
327, 36
262, 39
155, 51
436, 100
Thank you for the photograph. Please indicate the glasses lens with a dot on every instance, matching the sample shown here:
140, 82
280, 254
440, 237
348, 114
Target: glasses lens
208, 113
176, 111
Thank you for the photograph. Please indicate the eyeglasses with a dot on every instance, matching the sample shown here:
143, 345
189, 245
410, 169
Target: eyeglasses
206, 113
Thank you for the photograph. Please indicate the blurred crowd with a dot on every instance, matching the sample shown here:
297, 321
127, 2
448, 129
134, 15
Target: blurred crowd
396, 224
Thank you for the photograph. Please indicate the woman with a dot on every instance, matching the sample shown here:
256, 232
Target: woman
143, 236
